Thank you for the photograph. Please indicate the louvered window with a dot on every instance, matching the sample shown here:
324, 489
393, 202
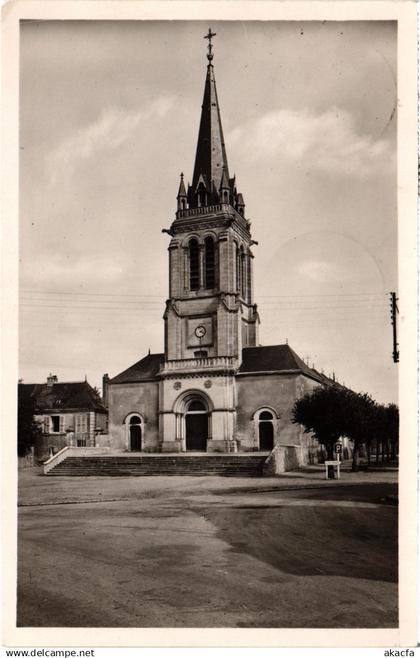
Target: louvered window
194, 265
210, 263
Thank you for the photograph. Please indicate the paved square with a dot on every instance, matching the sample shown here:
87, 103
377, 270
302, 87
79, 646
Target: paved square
208, 551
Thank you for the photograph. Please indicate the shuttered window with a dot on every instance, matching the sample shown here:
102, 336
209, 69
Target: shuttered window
194, 254
81, 423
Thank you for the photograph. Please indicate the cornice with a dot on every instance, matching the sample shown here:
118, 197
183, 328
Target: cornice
202, 222
199, 374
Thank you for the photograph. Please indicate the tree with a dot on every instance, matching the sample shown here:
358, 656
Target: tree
322, 413
333, 411
360, 422
97, 393
28, 428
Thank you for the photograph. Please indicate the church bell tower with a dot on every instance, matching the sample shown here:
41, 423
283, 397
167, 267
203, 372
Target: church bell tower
210, 311
210, 314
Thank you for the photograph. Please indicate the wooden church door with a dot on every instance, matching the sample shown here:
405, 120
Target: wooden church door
196, 431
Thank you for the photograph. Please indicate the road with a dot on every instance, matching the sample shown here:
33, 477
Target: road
207, 552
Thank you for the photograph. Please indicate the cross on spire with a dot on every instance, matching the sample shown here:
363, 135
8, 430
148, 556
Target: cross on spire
209, 36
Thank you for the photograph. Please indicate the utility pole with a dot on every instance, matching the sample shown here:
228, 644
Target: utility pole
394, 311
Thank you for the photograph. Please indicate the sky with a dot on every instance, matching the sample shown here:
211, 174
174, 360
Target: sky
109, 116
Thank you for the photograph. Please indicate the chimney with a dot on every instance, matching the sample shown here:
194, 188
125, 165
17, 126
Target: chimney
52, 379
105, 381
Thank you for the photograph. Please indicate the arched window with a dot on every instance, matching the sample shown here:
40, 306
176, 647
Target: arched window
243, 273
194, 258
210, 263
240, 270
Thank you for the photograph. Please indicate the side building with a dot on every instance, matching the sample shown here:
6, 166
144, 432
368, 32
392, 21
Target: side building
70, 414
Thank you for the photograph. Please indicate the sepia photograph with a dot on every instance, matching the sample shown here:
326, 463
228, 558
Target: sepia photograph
209, 307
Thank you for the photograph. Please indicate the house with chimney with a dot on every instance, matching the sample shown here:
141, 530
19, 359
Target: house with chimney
70, 414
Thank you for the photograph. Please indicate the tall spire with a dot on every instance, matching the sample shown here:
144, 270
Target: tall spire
210, 157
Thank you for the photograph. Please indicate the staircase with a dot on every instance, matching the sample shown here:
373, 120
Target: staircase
239, 465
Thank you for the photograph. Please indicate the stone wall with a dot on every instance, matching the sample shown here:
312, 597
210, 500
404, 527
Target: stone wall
141, 398
277, 392
218, 393
49, 443
233, 404
285, 458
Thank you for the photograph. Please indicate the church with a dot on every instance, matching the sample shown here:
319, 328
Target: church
214, 388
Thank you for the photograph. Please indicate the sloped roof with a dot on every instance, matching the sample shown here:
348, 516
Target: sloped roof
210, 156
275, 358
271, 358
144, 370
61, 396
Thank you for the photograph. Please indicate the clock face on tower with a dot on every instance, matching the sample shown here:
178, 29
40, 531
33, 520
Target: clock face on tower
200, 331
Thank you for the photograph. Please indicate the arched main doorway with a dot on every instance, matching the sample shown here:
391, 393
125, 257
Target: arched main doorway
196, 426
135, 434
266, 430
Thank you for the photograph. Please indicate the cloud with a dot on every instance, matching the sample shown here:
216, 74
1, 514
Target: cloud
112, 128
328, 141
72, 271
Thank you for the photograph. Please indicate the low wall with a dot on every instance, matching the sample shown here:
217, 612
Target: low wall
49, 442
103, 441
73, 452
87, 451
285, 458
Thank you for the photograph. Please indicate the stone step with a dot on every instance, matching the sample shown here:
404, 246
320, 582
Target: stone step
116, 473
144, 465
151, 462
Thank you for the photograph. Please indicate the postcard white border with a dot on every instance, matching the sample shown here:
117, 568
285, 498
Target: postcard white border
405, 13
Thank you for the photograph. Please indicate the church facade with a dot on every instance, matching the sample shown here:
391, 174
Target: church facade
214, 388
